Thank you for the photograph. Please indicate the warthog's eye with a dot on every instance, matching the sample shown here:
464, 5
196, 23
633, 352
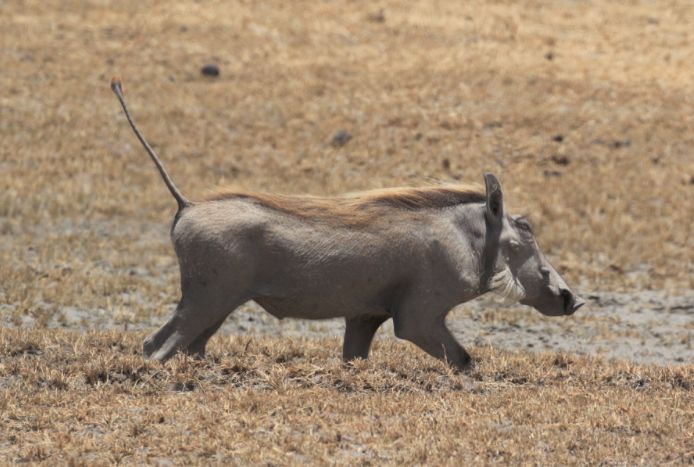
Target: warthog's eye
523, 224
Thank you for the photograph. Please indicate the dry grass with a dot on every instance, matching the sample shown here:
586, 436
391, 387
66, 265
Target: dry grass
584, 109
68, 397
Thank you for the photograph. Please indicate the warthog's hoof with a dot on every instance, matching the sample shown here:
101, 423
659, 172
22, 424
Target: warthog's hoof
148, 347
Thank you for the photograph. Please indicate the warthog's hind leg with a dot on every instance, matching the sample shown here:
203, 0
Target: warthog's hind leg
359, 332
197, 347
198, 316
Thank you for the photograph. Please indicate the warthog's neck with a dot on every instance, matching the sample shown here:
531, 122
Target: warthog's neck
488, 260
480, 248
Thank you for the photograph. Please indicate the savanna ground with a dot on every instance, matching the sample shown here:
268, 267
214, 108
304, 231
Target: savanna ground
585, 110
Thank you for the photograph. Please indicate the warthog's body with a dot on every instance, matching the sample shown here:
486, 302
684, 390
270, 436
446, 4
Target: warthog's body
308, 268
413, 264
407, 254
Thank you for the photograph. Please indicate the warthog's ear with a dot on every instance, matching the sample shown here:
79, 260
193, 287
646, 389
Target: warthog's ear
495, 198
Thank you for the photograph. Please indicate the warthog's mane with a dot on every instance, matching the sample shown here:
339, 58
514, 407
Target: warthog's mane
360, 207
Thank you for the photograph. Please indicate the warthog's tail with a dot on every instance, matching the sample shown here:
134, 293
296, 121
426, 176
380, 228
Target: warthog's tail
182, 201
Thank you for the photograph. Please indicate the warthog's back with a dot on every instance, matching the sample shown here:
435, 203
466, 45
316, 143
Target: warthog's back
360, 208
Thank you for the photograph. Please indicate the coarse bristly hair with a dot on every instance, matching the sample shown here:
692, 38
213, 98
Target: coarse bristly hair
360, 207
506, 286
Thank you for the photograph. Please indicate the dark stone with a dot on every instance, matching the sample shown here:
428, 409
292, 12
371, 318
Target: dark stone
558, 138
560, 160
549, 56
377, 17
446, 163
210, 70
341, 138
617, 144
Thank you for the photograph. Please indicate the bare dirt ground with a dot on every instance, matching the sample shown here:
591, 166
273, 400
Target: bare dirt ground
585, 111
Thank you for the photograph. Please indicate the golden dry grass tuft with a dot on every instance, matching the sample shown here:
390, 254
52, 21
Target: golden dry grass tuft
585, 110
90, 397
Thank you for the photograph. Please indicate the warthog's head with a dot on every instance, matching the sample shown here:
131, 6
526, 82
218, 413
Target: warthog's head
520, 271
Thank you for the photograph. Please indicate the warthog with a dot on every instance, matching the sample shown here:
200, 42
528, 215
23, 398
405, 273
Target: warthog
410, 254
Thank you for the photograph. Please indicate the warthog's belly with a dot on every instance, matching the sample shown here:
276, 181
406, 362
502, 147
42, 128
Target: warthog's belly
314, 308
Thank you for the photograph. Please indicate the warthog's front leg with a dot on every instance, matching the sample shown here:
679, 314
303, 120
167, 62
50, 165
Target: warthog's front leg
359, 332
430, 334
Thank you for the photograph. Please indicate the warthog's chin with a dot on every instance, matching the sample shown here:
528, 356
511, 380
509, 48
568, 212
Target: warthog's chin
505, 285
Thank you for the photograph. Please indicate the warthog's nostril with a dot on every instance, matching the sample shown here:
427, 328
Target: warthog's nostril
571, 302
568, 301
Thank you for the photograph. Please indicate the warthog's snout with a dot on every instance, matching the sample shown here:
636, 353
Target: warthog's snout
572, 302
555, 302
